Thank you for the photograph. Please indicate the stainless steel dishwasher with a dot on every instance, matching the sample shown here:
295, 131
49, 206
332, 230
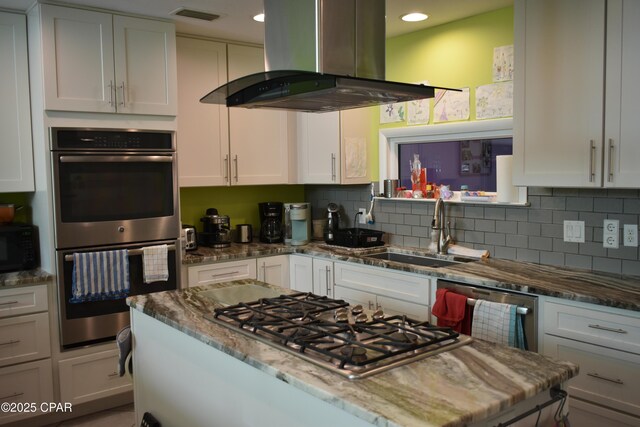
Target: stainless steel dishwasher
527, 305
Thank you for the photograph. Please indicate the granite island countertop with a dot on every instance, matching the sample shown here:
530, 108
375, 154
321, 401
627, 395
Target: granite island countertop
568, 283
453, 388
36, 276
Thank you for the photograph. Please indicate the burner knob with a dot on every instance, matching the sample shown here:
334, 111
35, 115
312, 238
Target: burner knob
377, 315
361, 318
341, 315
357, 309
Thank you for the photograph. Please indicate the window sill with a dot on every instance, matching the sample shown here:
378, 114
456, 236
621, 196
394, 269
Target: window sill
456, 199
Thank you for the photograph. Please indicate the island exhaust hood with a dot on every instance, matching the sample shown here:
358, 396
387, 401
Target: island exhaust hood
320, 55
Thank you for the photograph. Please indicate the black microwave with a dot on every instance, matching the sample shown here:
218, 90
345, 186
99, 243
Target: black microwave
18, 247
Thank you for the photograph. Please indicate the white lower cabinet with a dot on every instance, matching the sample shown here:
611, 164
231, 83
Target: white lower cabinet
323, 283
25, 383
207, 274
604, 343
24, 338
274, 270
377, 288
91, 377
301, 273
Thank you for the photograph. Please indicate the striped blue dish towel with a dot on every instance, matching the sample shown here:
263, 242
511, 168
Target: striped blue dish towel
100, 276
155, 266
498, 323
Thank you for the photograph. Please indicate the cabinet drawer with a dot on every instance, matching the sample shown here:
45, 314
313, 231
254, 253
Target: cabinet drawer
91, 377
607, 377
17, 301
404, 287
593, 326
222, 272
24, 338
585, 414
25, 383
389, 306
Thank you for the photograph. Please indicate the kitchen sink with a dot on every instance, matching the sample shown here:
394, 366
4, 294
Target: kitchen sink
425, 261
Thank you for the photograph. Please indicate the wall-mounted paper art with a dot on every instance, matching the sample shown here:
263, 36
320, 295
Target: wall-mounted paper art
418, 112
449, 105
494, 100
503, 63
355, 157
391, 113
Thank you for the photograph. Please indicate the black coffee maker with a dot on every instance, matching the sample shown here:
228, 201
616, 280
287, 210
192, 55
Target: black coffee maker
271, 230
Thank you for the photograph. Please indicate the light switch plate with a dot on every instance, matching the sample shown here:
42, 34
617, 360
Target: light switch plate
610, 233
630, 235
574, 231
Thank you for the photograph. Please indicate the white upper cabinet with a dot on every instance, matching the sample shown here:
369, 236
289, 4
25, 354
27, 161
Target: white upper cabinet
333, 148
16, 152
203, 129
98, 62
576, 95
260, 149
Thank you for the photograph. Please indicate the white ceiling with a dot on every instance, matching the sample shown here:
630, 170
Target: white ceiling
236, 23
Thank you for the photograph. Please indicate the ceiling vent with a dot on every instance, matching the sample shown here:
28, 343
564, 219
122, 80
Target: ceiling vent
195, 14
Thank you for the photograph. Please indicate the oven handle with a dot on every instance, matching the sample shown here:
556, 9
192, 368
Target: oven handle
132, 252
519, 310
120, 159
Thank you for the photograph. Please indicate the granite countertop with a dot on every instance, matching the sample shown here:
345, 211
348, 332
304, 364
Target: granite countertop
453, 388
25, 278
573, 284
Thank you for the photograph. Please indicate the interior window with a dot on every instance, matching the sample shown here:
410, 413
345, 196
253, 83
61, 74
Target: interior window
455, 163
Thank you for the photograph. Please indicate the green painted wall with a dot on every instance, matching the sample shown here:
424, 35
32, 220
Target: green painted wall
239, 203
20, 199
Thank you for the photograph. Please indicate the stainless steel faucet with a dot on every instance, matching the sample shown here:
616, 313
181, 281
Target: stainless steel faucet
444, 238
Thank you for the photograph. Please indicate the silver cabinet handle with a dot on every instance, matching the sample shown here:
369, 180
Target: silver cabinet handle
604, 328
611, 147
333, 167
11, 396
378, 306
225, 166
327, 273
113, 374
225, 274
264, 271
9, 302
370, 305
123, 102
235, 160
10, 342
600, 377
592, 158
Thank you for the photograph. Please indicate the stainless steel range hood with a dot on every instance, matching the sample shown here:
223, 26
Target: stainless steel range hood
320, 55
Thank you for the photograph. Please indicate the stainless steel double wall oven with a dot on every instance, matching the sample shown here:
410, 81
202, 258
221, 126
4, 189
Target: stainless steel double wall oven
113, 189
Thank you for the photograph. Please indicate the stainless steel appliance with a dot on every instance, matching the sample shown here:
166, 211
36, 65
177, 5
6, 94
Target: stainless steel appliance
244, 233
18, 247
190, 236
333, 223
217, 232
335, 335
113, 189
297, 223
271, 230
527, 305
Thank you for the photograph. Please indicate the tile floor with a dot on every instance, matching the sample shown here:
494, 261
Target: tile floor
122, 416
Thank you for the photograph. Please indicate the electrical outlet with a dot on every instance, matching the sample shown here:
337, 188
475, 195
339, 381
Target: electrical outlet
630, 235
610, 234
574, 231
362, 217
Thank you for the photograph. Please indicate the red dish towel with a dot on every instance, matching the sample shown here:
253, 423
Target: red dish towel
452, 311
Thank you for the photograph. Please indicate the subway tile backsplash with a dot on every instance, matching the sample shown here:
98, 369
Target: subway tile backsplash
533, 233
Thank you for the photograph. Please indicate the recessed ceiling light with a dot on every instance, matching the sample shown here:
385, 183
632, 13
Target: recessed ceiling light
259, 17
414, 17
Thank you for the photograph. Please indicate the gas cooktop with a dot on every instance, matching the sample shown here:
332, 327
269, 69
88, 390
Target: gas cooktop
335, 335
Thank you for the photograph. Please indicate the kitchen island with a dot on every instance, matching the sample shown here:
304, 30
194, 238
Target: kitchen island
190, 371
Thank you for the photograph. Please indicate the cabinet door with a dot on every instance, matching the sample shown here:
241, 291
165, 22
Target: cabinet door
355, 140
77, 60
274, 270
203, 129
559, 86
26, 383
200, 275
301, 273
622, 127
16, 153
259, 139
318, 137
24, 338
323, 277
145, 66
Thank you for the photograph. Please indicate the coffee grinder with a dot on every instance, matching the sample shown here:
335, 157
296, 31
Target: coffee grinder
297, 223
270, 222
